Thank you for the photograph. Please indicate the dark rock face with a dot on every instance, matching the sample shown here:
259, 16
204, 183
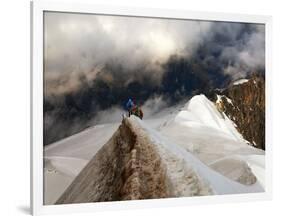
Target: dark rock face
244, 104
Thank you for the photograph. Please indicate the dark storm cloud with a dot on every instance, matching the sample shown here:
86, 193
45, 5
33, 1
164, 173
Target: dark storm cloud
94, 63
242, 47
78, 44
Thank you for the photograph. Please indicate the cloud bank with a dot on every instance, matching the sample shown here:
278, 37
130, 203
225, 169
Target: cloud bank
81, 45
93, 63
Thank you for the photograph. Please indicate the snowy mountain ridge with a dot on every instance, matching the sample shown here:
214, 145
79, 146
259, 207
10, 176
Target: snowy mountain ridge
202, 111
198, 151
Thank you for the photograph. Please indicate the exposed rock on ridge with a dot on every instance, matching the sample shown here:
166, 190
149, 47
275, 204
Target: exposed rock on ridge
244, 104
126, 168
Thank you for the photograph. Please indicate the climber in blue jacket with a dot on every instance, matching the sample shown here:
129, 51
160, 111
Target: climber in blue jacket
133, 109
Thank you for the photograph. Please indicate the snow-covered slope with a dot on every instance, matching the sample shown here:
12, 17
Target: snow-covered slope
200, 151
63, 160
212, 137
150, 166
200, 112
185, 160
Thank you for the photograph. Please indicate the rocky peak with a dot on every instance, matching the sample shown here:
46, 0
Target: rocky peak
243, 101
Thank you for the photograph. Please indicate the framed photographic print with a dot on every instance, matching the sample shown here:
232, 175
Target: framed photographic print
137, 108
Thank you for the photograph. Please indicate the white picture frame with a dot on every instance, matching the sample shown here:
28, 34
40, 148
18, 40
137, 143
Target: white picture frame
37, 10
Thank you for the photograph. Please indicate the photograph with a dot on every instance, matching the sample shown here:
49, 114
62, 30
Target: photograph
141, 108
